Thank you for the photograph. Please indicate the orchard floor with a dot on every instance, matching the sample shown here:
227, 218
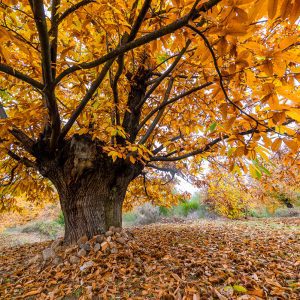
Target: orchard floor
256, 259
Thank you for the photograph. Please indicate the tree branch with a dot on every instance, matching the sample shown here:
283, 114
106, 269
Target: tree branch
13, 72
145, 185
221, 78
12, 176
28, 163
161, 147
54, 35
24, 139
208, 146
164, 75
86, 99
174, 99
37, 7
3, 114
135, 28
159, 115
21, 38
139, 20
114, 87
163, 169
72, 9
180, 23
167, 59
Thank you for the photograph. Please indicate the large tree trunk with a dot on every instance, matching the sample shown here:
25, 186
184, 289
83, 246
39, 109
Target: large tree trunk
91, 208
91, 187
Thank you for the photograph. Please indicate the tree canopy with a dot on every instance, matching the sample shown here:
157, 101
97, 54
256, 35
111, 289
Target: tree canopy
167, 85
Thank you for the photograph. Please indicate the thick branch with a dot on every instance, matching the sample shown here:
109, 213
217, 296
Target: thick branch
37, 7
41, 25
159, 115
28, 163
24, 139
86, 99
13, 72
54, 35
139, 20
208, 146
134, 30
114, 87
180, 23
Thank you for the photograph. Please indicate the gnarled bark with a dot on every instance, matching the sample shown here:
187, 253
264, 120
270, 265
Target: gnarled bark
90, 185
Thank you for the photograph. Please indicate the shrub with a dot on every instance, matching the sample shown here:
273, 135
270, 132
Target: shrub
164, 211
226, 198
147, 214
193, 208
61, 219
287, 213
129, 218
49, 228
258, 213
190, 206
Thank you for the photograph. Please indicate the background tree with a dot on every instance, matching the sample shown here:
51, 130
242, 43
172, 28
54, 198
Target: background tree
279, 187
99, 94
228, 196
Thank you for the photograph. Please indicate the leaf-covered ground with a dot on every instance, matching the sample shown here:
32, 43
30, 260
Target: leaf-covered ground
204, 260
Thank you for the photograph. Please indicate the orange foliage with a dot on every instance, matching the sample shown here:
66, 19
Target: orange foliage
222, 80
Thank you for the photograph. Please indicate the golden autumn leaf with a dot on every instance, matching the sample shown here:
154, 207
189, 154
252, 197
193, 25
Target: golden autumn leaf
292, 145
272, 8
116, 99
276, 144
32, 293
294, 114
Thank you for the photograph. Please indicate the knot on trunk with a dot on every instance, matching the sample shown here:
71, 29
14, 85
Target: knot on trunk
84, 155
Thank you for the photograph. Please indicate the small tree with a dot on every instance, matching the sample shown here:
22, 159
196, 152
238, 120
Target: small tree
228, 196
99, 94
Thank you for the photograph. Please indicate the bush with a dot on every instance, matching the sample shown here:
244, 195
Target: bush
49, 228
147, 214
164, 211
258, 213
61, 219
287, 213
190, 206
192, 209
129, 218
